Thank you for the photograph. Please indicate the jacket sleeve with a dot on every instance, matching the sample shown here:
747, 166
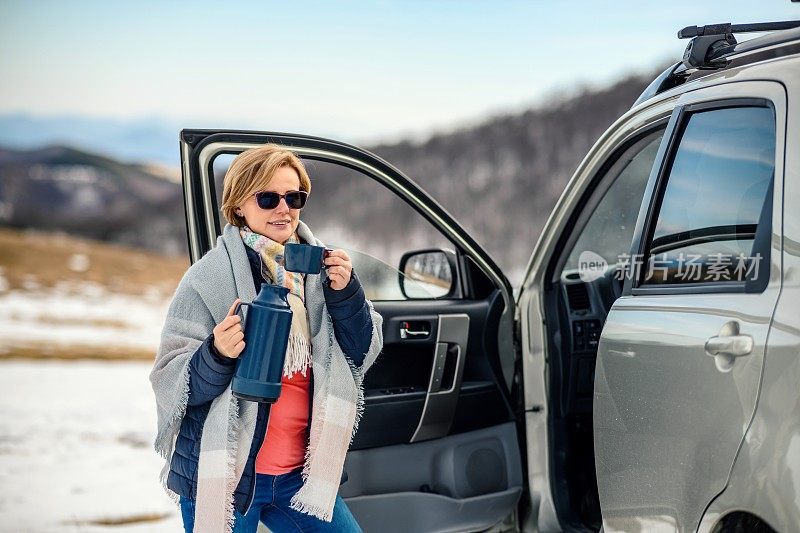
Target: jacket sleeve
186, 371
352, 322
210, 373
187, 325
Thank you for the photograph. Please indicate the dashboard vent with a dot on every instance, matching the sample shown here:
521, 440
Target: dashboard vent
578, 297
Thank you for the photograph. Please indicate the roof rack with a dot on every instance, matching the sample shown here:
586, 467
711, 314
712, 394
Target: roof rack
712, 45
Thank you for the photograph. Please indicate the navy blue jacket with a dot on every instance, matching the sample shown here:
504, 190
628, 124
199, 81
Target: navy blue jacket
210, 374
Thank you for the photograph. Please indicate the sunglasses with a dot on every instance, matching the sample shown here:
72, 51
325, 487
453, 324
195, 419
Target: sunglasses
270, 200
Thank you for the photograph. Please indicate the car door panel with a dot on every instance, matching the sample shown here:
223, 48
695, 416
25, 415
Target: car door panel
669, 417
397, 385
470, 480
438, 429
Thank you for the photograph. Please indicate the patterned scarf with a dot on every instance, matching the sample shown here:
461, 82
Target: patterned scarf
298, 351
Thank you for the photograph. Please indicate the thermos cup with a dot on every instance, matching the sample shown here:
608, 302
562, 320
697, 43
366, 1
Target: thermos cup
305, 258
266, 334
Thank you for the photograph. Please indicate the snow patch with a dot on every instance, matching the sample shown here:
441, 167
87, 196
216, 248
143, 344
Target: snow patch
83, 315
79, 262
76, 448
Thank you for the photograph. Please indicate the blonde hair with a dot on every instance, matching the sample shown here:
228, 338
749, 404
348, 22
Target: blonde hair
251, 171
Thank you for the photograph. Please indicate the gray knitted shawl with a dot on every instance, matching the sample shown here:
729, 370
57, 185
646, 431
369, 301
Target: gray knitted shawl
202, 299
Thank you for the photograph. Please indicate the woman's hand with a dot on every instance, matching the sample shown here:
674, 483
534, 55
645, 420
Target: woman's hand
339, 269
228, 334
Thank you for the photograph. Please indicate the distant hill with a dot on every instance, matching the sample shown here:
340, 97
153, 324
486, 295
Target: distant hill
500, 178
63, 189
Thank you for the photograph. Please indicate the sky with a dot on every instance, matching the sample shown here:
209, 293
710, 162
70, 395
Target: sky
365, 71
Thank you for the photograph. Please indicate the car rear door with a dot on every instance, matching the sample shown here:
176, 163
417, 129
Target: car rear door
437, 447
681, 353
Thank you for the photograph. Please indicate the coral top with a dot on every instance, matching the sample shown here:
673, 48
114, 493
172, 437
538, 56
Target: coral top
284, 446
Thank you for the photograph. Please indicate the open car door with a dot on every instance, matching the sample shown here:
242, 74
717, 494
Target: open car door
438, 446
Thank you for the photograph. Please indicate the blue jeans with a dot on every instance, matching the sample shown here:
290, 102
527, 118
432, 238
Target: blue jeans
271, 506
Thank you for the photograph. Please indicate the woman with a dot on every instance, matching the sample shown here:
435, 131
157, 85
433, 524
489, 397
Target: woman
231, 462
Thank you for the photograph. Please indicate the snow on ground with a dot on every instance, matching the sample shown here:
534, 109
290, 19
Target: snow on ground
76, 448
85, 315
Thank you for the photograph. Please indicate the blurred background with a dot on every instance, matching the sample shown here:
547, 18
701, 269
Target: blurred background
488, 106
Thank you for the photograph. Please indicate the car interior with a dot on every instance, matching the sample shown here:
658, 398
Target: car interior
579, 309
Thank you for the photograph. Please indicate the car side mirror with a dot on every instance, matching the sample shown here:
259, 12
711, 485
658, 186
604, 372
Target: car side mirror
426, 274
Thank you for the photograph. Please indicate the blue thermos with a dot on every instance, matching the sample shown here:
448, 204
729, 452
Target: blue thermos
266, 333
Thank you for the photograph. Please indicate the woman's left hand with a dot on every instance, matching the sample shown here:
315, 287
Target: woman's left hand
339, 268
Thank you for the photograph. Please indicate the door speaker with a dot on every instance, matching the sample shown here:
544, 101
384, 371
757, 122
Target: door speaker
480, 468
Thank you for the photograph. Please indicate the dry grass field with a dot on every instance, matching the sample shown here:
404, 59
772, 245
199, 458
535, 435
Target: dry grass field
63, 297
31, 260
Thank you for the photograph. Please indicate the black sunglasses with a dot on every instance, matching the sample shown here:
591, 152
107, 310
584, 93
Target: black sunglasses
270, 200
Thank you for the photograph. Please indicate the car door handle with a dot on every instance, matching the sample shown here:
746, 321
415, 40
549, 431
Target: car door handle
406, 332
728, 345
734, 345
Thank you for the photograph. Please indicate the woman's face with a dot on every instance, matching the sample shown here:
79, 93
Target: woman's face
279, 223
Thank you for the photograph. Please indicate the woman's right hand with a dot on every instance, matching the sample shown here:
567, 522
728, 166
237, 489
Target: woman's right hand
228, 334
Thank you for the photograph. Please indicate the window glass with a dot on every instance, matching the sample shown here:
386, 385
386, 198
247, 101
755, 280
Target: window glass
715, 192
609, 231
349, 210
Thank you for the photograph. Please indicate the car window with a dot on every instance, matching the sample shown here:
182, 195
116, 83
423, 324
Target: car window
609, 230
349, 210
715, 192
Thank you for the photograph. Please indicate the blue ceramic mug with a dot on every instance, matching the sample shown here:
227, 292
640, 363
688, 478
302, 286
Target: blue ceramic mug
305, 258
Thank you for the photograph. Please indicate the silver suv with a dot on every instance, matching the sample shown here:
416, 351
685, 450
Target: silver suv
646, 373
